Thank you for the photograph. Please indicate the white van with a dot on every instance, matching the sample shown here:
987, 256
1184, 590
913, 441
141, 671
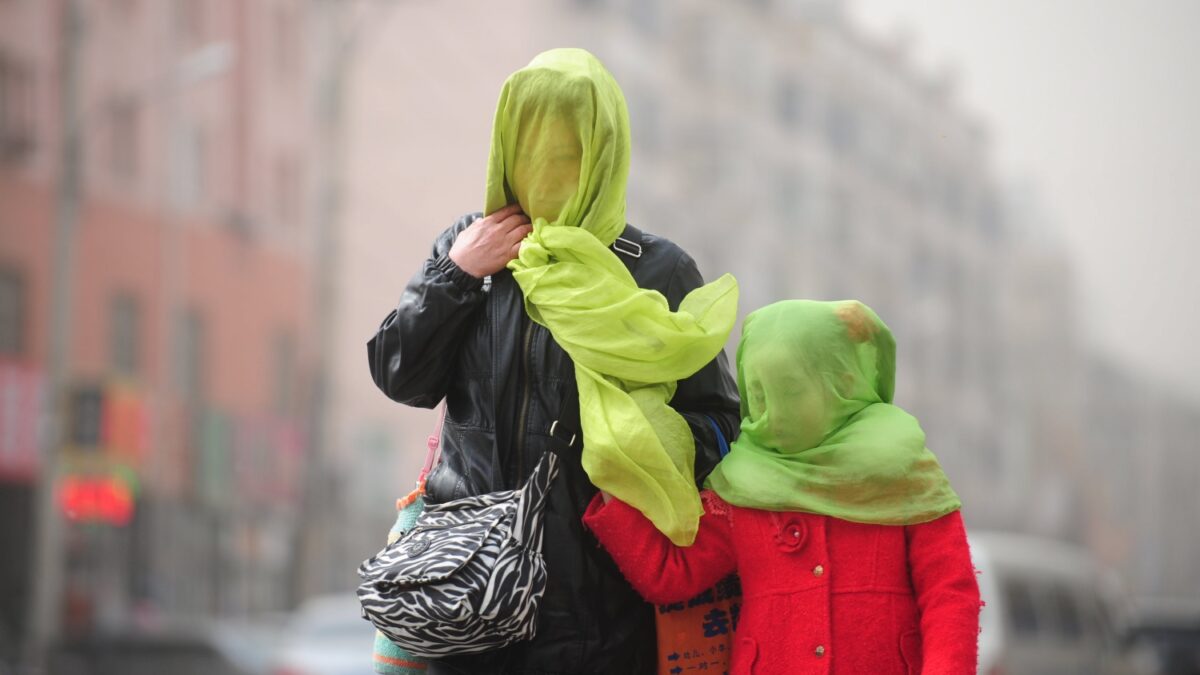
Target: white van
1049, 609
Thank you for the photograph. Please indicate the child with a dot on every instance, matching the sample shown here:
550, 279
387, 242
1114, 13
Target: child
841, 524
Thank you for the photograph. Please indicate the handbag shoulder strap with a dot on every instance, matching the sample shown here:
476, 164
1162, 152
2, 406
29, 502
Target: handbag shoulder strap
432, 444
531, 502
628, 246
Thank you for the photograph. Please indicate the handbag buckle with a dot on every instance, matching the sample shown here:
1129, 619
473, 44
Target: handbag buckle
629, 248
554, 427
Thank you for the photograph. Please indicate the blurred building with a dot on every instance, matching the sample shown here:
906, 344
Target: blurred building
814, 161
810, 161
1141, 472
190, 324
776, 140
260, 179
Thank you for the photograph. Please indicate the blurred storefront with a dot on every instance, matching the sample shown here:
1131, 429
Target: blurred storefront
21, 398
190, 361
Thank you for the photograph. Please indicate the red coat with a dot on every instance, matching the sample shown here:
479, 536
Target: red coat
821, 595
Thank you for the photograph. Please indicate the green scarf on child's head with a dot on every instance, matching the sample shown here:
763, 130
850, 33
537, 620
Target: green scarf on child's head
819, 431
560, 148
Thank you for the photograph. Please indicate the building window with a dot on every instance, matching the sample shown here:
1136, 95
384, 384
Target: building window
189, 19
16, 109
879, 142
287, 41
646, 15
990, 218
914, 176
789, 102
12, 313
190, 356
123, 138
287, 191
842, 220
645, 118
954, 195
698, 46
925, 272
788, 198
707, 158
842, 128
285, 374
191, 164
125, 326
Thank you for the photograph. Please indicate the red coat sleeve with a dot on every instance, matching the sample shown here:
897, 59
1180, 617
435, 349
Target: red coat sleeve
947, 595
658, 569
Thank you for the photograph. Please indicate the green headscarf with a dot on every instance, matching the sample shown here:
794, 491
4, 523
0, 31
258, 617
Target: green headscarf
819, 431
560, 148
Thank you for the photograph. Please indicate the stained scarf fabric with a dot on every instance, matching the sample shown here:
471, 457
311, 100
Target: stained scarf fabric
560, 148
819, 431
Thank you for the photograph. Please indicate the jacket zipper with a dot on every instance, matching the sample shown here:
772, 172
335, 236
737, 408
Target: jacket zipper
527, 342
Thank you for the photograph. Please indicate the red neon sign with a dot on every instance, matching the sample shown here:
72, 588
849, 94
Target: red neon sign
104, 499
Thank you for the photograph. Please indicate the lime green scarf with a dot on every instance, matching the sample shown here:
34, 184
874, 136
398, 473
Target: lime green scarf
560, 148
819, 432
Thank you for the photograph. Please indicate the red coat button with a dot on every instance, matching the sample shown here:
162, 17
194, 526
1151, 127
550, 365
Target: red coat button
790, 537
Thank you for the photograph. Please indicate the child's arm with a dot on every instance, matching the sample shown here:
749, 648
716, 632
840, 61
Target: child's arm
659, 570
947, 595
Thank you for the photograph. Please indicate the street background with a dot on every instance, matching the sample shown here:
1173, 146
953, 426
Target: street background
207, 206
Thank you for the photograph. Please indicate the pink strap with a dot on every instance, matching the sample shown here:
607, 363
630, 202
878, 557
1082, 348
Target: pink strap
432, 442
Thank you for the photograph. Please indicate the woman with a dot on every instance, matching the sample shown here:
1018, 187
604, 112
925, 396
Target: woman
593, 310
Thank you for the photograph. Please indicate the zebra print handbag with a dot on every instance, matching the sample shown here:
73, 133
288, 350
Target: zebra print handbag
467, 577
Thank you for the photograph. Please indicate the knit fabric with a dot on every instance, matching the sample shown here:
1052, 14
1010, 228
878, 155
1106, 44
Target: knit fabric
821, 594
389, 658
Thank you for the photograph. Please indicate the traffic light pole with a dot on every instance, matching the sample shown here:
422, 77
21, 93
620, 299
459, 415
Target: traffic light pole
45, 601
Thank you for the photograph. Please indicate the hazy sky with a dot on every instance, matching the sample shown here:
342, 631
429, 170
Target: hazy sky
1096, 103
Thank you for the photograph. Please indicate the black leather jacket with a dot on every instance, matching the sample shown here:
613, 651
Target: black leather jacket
510, 393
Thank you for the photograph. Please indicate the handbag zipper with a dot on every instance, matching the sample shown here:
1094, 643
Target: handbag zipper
429, 528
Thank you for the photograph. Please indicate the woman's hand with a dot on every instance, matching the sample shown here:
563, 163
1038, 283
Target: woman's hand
489, 243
